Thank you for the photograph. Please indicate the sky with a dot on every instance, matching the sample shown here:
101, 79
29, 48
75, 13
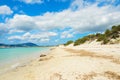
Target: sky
53, 22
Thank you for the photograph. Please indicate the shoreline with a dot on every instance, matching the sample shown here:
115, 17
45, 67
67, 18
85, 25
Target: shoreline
71, 63
13, 64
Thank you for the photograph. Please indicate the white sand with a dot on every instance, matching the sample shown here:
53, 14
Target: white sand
85, 62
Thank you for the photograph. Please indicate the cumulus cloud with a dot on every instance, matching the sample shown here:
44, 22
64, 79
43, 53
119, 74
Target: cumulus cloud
67, 34
86, 17
15, 38
5, 10
45, 40
3, 28
79, 4
91, 18
40, 37
15, 31
32, 1
22, 22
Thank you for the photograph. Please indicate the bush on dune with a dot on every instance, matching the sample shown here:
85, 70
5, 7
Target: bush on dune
104, 38
81, 41
107, 33
115, 31
101, 37
69, 42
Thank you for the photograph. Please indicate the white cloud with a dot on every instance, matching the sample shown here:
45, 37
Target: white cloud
3, 28
107, 1
82, 16
15, 31
88, 18
67, 34
40, 37
32, 1
15, 38
5, 10
92, 18
45, 40
79, 4
22, 22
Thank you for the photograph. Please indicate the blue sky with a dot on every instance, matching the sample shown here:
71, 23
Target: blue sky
52, 22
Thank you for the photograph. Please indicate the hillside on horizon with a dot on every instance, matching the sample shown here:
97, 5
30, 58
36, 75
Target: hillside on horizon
19, 45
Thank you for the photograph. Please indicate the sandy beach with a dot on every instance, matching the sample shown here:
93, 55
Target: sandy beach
85, 62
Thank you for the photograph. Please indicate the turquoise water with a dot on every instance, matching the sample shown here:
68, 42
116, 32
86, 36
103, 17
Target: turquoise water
16, 55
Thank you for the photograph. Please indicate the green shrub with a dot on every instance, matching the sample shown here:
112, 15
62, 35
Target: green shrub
81, 41
105, 40
77, 42
98, 34
69, 42
115, 31
115, 28
107, 33
101, 37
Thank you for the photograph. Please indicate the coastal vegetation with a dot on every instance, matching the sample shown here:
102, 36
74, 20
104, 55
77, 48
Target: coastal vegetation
69, 42
104, 38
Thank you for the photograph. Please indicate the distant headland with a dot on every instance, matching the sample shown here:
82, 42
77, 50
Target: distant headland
2, 45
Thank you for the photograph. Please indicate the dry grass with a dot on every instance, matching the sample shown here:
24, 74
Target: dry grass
116, 61
108, 75
84, 53
45, 58
56, 76
86, 76
112, 75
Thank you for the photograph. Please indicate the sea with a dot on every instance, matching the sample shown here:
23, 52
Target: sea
11, 58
